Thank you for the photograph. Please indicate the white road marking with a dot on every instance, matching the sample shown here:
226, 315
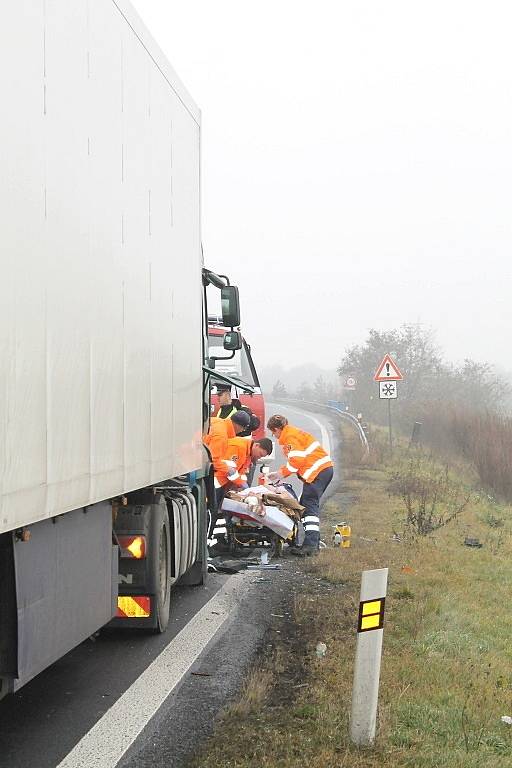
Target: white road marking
326, 443
110, 738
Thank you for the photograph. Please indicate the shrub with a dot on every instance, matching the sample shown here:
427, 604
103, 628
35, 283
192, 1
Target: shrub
431, 496
483, 438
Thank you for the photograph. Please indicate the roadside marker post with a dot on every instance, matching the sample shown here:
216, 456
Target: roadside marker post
365, 691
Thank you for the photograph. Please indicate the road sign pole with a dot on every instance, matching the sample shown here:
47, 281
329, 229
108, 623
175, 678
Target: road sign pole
388, 374
390, 428
365, 692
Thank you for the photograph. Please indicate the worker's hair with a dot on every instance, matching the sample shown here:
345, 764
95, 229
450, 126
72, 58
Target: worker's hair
266, 444
242, 418
277, 422
255, 422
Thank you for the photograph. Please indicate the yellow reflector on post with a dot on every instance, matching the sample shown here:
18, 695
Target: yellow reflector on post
370, 622
371, 614
371, 607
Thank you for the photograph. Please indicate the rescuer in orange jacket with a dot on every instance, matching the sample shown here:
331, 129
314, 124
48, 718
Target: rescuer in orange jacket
240, 454
313, 465
222, 430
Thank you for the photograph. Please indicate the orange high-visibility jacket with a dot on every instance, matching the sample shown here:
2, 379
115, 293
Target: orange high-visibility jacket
221, 430
304, 454
236, 462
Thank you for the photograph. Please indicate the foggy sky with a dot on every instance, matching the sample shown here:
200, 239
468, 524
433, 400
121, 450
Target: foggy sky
356, 166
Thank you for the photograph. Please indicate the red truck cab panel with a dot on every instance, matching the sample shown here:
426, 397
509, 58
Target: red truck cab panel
239, 367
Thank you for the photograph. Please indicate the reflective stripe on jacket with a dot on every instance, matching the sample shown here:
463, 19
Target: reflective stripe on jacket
226, 412
236, 462
305, 456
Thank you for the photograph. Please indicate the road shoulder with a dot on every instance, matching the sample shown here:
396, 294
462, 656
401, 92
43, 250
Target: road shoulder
445, 677
190, 715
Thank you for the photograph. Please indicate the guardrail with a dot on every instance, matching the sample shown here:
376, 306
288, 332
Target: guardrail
333, 406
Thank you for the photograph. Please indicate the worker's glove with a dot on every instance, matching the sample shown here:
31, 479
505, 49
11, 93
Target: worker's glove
274, 477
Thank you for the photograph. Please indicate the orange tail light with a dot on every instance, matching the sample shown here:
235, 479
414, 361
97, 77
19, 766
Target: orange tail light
133, 546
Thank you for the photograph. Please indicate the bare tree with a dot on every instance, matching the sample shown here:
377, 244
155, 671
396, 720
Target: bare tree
279, 390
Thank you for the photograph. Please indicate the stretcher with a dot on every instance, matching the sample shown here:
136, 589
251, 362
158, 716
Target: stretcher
263, 516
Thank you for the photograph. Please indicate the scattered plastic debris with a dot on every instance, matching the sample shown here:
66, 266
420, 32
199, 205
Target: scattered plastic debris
469, 542
228, 564
407, 569
506, 719
321, 650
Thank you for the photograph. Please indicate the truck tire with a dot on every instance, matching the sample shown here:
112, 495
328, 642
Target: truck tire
162, 567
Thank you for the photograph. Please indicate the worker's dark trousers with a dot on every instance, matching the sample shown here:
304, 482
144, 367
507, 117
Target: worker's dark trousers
310, 499
218, 529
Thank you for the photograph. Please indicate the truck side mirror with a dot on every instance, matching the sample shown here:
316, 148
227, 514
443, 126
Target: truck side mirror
230, 303
232, 341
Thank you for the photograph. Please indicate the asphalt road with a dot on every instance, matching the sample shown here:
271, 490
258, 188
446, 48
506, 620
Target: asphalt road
43, 723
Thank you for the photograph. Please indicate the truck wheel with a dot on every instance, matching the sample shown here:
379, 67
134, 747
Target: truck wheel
162, 556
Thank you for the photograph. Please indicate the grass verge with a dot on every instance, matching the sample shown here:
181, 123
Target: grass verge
446, 675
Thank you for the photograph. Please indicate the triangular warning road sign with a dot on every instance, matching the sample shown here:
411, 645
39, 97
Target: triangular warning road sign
388, 370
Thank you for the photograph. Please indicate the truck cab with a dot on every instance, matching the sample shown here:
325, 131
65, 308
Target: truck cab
238, 366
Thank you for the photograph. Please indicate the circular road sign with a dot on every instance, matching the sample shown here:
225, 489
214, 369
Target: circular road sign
351, 381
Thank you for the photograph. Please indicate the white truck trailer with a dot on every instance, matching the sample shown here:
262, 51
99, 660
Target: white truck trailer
103, 398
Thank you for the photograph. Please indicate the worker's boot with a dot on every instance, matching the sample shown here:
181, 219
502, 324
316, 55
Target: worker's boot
311, 544
218, 549
307, 550
310, 547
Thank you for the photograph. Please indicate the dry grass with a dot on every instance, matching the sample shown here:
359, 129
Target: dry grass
446, 674
482, 438
255, 692
352, 449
